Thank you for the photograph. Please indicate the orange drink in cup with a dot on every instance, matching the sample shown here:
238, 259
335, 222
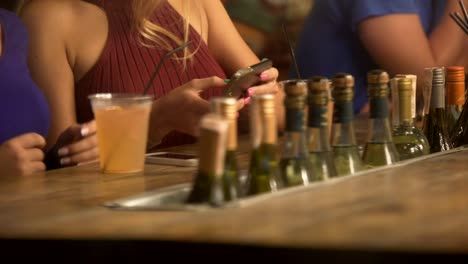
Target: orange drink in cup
122, 122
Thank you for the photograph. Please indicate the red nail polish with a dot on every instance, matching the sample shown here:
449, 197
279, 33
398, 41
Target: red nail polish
247, 101
263, 76
251, 92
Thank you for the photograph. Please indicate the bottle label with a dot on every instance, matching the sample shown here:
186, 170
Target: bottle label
318, 116
379, 107
343, 112
294, 120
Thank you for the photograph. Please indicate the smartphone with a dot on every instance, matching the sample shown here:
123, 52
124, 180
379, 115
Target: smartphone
172, 158
245, 78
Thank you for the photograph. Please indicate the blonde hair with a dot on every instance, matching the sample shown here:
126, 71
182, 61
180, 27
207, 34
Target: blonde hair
152, 35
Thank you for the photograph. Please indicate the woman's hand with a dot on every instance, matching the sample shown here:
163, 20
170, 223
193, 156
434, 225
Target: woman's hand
182, 108
268, 85
77, 144
22, 155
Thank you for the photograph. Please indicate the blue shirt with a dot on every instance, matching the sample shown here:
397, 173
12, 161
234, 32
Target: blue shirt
330, 44
23, 107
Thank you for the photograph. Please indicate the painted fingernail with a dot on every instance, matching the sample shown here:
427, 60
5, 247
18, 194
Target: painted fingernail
227, 80
62, 151
247, 101
263, 76
250, 92
84, 131
65, 161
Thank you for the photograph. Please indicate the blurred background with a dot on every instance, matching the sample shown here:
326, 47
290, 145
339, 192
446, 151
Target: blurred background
260, 24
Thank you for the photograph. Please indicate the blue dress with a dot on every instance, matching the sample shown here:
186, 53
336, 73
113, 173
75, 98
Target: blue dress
330, 44
23, 106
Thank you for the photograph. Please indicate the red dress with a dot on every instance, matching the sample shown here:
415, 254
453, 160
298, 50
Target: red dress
125, 66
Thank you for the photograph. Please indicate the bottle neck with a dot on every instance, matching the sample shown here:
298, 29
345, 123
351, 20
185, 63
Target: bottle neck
232, 135
269, 132
405, 108
343, 126
317, 116
295, 120
255, 124
455, 93
379, 125
437, 96
343, 112
212, 150
317, 139
343, 134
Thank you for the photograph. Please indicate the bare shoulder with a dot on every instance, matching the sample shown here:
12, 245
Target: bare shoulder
50, 14
58, 15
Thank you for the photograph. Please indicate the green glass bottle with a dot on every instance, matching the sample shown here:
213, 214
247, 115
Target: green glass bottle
345, 151
207, 187
455, 95
318, 143
435, 123
379, 149
459, 135
263, 173
410, 142
295, 167
227, 108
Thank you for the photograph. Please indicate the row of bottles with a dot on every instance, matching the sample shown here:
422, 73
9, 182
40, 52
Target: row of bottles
308, 154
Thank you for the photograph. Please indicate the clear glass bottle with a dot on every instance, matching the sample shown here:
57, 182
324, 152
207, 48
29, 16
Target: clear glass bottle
345, 150
379, 149
320, 151
410, 142
295, 167
207, 187
227, 108
455, 89
435, 123
264, 166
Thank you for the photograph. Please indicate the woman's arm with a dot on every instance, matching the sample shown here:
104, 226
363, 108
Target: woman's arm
231, 51
399, 44
49, 24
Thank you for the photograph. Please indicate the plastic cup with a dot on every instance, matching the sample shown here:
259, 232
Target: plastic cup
122, 122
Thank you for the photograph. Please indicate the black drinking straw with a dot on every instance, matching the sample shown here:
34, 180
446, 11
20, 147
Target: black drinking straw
462, 6
291, 51
456, 17
156, 71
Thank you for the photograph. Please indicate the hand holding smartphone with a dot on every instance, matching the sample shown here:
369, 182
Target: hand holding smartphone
245, 78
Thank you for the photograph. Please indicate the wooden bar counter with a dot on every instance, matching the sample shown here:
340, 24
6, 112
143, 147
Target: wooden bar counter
403, 212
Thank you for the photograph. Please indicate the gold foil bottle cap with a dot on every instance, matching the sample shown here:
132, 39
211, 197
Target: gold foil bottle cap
377, 81
227, 108
295, 87
343, 80
266, 103
319, 89
405, 84
377, 77
212, 144
343, 85
224, 106
296, 93
405, 90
